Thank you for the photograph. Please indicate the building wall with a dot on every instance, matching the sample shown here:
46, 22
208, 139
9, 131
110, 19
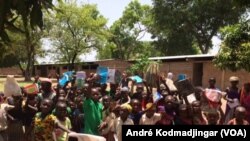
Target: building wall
177, 68
209, 70
223, 77
10, 71
115, 64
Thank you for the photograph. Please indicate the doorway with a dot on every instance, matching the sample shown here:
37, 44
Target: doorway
197, 74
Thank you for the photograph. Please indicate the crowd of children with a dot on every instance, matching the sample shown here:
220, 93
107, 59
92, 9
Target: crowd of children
97, 109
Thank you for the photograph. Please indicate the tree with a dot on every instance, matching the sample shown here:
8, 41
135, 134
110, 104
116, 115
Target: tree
139, 66
175, 43
30, 11
23, 48
127, 32
235, 48
197, 20
74, 30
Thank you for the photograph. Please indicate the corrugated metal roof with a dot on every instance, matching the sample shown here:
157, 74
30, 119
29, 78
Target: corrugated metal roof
65, 63
182, 57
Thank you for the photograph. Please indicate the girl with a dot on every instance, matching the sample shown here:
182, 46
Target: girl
44, 122
61, 117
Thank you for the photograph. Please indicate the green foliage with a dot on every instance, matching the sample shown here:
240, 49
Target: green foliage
235, 49
140, 65
127, 32
24, 47
74, 30
181, 23
30, 11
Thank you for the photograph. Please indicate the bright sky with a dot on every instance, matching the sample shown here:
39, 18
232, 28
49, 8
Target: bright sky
112, 10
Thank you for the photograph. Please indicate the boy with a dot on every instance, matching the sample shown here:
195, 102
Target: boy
123, 120
213, 117
150, 117
93, 112
240, 114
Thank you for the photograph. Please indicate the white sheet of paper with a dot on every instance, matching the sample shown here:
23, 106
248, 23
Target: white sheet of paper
191, 98
111, 76
87, 137
80, 75
171, 85
233, 104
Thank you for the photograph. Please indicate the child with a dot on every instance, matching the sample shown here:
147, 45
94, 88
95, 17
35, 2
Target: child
62, 99
212, 117
125, 80
46, 91
112, 90
77, 117
61, 117
122, 120
37, 81
16, 116
212, 82
232, 94
165, 118
103, 89
4, 108
108, 118
239, 119
183, 117
44, 122
93, 112
150, 117
124, 96
198, 117
29, 109
245, 99
170, 106
139, 90
136, 111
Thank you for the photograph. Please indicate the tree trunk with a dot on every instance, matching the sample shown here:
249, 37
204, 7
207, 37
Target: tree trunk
27, 75
72, 64
21, 68
27, 70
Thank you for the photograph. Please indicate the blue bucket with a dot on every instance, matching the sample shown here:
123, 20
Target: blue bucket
181, 76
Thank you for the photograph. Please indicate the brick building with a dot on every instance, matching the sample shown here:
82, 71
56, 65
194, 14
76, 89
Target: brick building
198, 68
45, 70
